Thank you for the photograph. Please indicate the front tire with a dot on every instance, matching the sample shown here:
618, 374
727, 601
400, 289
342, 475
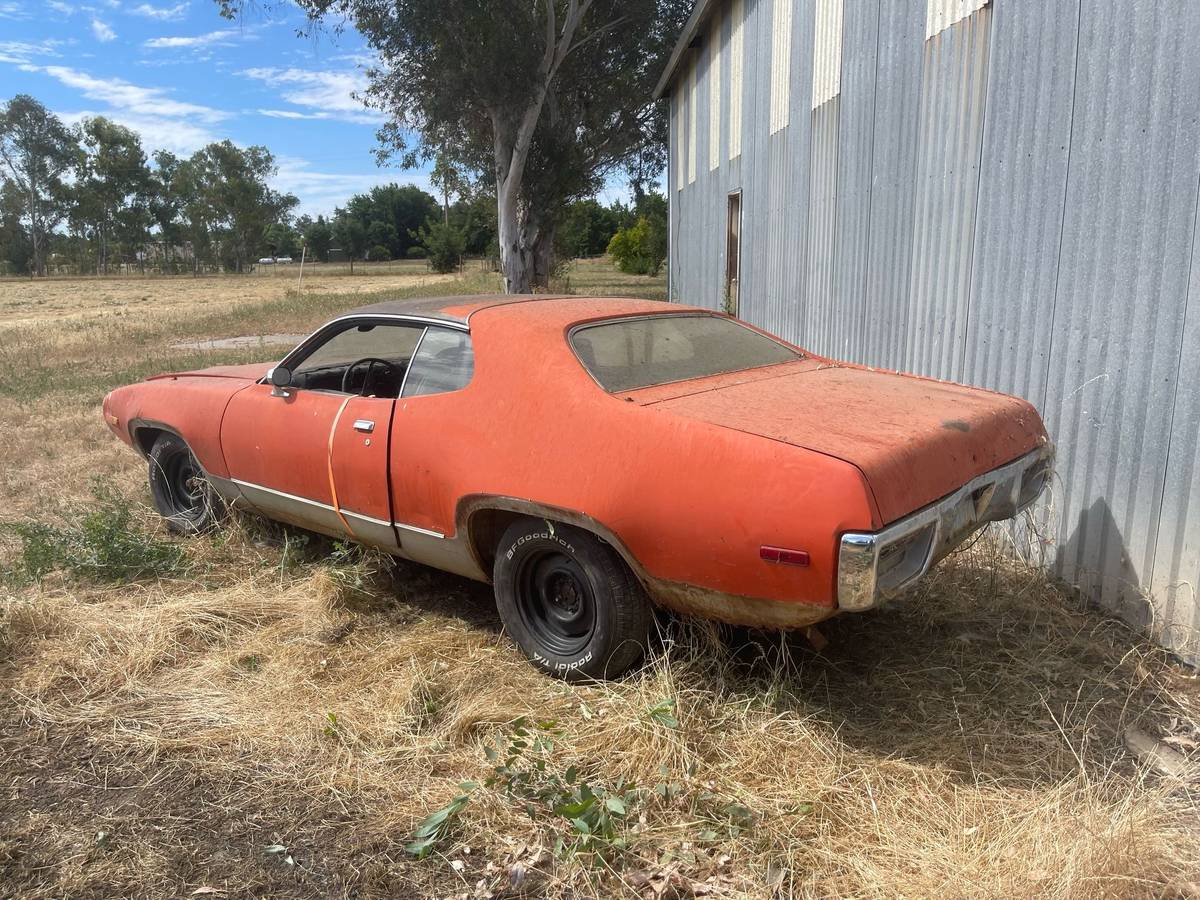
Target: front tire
570, 601
181, 492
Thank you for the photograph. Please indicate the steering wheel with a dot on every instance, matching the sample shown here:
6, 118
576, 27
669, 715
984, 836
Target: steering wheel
371, 362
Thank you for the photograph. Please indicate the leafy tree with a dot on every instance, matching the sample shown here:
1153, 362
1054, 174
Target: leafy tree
37, 151
641, 249
475, 217
233, 185
350, 236
165, 204
379, 253
586, 228
390, 214
319, 238
112, 186
444, 245
547, 98
280, 239
16, 250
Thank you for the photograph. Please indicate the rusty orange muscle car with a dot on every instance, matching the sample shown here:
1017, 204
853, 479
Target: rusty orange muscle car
592, 457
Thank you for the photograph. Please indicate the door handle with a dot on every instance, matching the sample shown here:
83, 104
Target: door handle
364, 425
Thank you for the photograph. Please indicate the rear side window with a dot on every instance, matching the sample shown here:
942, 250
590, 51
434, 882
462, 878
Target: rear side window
640, 352
444, 362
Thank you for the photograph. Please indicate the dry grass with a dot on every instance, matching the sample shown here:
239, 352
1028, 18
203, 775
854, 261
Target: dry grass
158, 736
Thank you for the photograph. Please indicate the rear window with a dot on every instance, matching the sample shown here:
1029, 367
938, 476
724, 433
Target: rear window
640, 352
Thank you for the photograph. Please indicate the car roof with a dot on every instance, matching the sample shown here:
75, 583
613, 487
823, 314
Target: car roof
561, 308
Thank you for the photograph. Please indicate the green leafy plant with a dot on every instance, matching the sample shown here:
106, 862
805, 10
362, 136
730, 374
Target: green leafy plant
444, 244
588, 818
436, 825
100, 541
663, 713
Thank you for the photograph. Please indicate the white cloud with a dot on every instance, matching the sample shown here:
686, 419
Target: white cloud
58, 6
324, 94
13, 11
161, 13
20, 52
182, 137
212, 39
163, 122
320, 192
132, 99
102, 31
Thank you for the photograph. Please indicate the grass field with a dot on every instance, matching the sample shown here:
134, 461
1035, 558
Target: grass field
260, 712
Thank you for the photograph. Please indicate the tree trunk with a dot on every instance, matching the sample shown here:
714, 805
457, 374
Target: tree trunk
515, 258
543, 256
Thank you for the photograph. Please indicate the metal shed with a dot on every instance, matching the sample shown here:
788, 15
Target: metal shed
1002, 193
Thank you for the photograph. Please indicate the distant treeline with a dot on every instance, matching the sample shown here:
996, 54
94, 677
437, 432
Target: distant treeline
87, 199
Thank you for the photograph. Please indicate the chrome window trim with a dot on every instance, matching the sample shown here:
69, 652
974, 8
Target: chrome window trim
693, 314
328, 508
353, 317
859, 552
411, 360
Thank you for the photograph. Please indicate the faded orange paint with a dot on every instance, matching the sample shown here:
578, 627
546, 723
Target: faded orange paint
691, 479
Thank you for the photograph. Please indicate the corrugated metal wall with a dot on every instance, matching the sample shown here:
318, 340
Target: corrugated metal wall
1001, 193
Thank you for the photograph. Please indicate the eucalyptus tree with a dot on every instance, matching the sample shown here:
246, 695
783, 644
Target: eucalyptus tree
549, 97
112, 187
37, 152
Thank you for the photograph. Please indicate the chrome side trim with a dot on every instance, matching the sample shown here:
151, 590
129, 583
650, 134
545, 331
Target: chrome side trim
919, 540
345, 512
415, 530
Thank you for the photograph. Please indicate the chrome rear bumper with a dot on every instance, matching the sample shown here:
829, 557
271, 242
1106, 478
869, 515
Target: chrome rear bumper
873, 567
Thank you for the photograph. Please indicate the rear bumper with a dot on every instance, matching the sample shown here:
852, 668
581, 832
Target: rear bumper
873, 567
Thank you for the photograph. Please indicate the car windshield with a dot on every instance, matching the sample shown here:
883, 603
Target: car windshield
640, 352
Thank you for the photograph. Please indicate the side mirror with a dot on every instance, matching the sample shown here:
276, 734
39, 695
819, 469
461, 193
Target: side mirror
280, 378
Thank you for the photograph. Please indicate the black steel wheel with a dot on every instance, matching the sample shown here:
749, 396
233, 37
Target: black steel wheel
570, 601
181, 492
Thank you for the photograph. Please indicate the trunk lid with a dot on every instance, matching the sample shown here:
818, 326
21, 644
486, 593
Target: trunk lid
915, 439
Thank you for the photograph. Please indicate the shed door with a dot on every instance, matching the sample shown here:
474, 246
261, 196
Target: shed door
733, 252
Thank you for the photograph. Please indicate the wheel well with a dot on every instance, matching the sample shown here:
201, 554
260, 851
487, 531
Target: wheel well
485, 528
147, 436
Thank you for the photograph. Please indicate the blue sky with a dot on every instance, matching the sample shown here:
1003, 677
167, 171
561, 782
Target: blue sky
181, 76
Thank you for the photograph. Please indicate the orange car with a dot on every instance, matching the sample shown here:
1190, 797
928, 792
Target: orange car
592, 456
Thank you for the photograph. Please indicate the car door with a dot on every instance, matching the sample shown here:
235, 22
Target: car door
316, 453
437, 440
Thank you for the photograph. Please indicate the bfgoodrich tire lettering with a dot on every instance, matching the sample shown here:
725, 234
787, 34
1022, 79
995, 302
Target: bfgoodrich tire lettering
569, 601
181, 493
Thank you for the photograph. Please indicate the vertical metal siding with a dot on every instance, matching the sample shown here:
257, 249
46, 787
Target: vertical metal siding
856, 142
1122, 286
953, 95
893, 193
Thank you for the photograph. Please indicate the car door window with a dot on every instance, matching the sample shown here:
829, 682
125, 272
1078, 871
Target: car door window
327, 366
444, 362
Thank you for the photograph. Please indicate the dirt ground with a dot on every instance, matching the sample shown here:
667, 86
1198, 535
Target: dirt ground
260, 712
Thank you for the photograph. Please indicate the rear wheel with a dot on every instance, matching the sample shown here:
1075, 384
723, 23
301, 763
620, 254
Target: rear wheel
569, 601
181, 492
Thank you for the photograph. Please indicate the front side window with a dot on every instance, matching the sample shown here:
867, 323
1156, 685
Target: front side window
368, 359
627, 354
444, 362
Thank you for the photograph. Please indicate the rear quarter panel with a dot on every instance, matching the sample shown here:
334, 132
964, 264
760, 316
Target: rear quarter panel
692, 502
